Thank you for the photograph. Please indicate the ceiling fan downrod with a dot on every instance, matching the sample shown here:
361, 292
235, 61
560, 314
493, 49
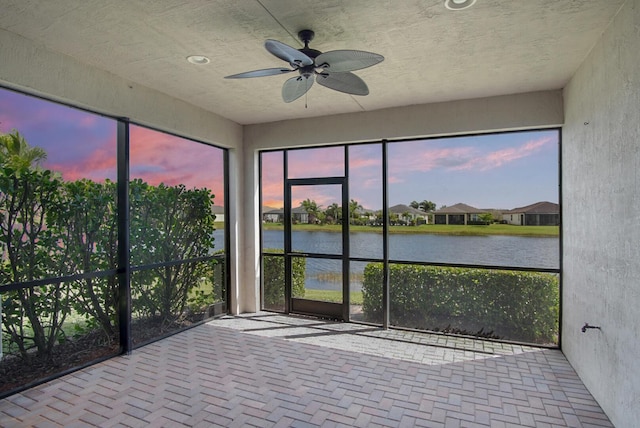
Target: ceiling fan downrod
305, 37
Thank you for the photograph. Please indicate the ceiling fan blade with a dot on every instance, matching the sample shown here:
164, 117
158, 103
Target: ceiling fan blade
346, 82
347, 60
287, 53
260, 73
295, 87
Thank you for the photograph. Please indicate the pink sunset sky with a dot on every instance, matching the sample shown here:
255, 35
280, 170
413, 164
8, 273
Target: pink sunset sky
503, 171
83, 145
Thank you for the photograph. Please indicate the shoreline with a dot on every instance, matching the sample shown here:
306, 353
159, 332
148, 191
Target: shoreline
437, 229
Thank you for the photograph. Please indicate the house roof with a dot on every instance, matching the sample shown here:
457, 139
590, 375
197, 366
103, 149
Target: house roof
401, 209
460, 209
537, 208
280, 211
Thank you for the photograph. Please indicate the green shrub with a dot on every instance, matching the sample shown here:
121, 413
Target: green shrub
210, 288
168, 223
86, 220
32, 317
273, 279
511, 305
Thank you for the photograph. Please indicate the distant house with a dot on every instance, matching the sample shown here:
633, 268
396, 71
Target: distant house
458, 214
273, 215
414, 214
365, 214
218, 210
538, 214
299, 215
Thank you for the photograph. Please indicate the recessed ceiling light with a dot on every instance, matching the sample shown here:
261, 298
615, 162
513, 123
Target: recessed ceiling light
458, 4
198, 59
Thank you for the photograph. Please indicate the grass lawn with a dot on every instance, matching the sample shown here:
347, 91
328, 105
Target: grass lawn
335, 296
442, 229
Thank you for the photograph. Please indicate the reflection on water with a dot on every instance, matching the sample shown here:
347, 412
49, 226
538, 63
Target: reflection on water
512, 251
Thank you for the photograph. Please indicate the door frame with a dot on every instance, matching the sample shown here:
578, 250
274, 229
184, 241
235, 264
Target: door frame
306, 306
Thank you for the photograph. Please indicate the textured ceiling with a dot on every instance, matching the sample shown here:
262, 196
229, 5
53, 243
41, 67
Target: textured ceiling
431, 54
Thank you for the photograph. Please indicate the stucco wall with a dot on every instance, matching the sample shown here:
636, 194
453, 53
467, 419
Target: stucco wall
601, 219
508, 112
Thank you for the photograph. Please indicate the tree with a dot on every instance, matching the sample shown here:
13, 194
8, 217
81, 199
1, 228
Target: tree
16, 153
354, 207
87, 221
426, 206
406, 217
312, 209
32, 316
168, 223
486, 218
393, 218
50, 228
379, 217
333, 212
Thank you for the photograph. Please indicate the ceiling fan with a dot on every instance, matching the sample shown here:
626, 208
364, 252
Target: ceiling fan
331, 69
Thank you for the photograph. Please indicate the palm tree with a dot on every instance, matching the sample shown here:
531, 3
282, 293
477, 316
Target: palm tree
354, 206
311, 208
393, 218
406, 216
16, 153
427, 206
333, 211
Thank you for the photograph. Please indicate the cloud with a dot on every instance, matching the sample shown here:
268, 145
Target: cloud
272, 169
322, 162
157, 158
362, 163
100, 164
273, 193
393, 179
422, 158
78, 144
371, 183
83, 145
504, 156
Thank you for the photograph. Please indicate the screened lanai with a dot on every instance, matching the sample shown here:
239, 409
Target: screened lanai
119, 72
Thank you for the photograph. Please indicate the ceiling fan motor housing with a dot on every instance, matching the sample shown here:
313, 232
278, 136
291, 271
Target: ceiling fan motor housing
305, 37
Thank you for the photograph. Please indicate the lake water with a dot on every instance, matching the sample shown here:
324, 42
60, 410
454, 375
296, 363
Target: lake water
511, 251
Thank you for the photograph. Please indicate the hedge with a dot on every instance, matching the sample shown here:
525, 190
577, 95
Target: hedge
273, 279
54, 228
510, 305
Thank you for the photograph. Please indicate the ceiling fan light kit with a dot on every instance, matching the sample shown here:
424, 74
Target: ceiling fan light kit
331, 69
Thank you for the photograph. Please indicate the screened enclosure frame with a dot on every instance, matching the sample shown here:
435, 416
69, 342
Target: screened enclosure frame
122, 272
125, 268
385, 259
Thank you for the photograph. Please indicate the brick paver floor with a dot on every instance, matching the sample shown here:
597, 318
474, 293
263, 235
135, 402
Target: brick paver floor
268, 370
